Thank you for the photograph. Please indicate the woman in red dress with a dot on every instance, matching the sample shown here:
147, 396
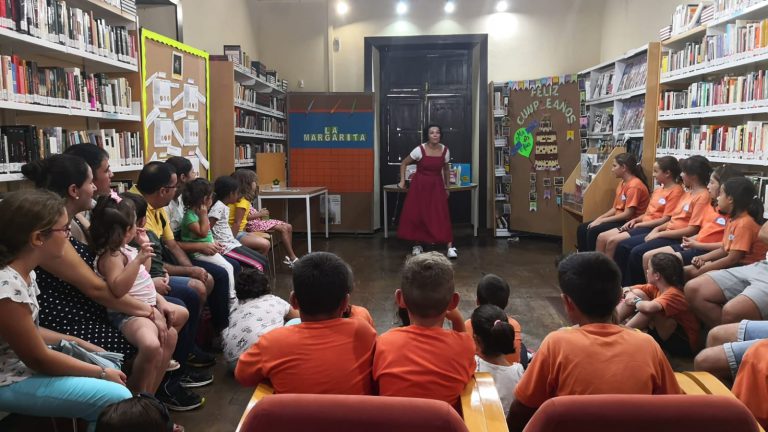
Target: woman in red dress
425, 217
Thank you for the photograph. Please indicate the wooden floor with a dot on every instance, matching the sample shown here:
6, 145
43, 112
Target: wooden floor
528, 266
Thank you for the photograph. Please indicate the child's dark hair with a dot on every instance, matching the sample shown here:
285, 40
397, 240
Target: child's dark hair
57, 173
110, 221
195, 192
251, 283
245, 178
670, 164
321, 281
492, 328
592, 281
697, 166
723, 173
140, 413
745, 198
223, 187
138, 202
629, 161
22, 213
493, 290
181, 165
670, 268
427, 284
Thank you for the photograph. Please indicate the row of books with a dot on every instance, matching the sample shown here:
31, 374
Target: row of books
725, 8
707, 15
57, 22
25, 143
603, 85
501, 100
25, 82
686, 16
634, 74
745, 141
632, 115
727, 90
246, 151
251, 96
248, 120
602, 121
236, 55
739, 39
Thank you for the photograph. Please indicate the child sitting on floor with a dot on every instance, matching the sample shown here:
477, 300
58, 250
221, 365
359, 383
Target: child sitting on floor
660, 307
592, 358
257, 312
142, 412
424, 360
495, 340
495, 291
325, 354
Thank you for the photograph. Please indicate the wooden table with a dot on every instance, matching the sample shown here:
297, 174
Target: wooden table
396, 189
304, 193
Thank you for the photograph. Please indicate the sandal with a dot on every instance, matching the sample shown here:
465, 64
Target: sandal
172, 365
178, 428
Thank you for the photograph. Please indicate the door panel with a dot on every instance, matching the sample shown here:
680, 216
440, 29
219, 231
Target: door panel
448, 72
404, 116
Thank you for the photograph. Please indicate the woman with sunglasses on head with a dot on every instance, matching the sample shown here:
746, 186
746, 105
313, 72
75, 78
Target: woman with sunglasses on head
35, 380
73, 299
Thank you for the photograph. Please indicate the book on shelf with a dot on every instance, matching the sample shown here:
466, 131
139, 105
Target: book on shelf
57, 22
687, 16
604, 84
120, 186
258, 122
128, 6
273, 147
21, 144
744, 141
635, 74
236, 55
250, 96
665, 33
603, 121
751, 87
632, 115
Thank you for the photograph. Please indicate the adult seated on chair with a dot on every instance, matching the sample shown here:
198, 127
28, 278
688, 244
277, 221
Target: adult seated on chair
597, 357
325, 354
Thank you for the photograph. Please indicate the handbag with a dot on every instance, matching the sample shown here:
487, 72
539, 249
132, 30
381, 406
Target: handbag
104, 359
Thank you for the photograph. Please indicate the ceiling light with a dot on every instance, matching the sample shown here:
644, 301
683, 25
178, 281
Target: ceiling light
502, 6
342, 8
401, 8
450, 6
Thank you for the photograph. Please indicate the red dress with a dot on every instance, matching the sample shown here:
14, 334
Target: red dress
425, 217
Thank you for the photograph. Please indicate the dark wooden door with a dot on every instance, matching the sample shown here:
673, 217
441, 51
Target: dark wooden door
420, 86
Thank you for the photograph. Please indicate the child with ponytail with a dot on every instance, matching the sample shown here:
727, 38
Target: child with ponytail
740, 245
631, 200
495, 339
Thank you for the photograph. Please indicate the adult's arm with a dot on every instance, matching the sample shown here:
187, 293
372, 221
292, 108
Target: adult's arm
407, 161
73, 270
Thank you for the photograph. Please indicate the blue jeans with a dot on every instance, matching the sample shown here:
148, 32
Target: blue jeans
182, 295
46, 396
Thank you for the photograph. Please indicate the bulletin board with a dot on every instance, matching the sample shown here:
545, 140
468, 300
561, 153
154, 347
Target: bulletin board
174, 106
330, 143
543, 128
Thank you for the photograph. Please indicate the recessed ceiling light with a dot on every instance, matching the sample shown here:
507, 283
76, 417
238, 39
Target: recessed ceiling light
342, 8
401, 8
502, 6
450, 6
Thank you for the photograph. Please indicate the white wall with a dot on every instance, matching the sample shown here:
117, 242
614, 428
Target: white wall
629, 24
159, 19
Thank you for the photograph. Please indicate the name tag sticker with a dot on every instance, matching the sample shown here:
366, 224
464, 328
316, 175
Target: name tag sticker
686, 207
731, 237
721, 221
623, 197
662, 201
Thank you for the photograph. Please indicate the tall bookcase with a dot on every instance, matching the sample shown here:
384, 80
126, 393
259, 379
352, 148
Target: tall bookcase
499, 167
618, 114
714, 88
54, 60
259, 123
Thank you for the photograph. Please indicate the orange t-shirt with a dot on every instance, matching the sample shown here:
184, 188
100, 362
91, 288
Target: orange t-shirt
322, 357
712, 226
631, 194
596, 359
360, 313
663, 202
690, 210
424, 362
751, 385
675, 306
515, 356
741, 235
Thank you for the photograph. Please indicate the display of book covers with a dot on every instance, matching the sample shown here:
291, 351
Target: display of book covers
603, 121
634, 75
604, 85
632, 115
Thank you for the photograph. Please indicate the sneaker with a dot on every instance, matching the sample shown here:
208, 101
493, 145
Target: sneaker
172, 366
177, 398
194, 378
416, 250
452, 253
201, 359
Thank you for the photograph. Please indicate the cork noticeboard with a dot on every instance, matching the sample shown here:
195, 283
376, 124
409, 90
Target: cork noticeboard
543, 128
174, 107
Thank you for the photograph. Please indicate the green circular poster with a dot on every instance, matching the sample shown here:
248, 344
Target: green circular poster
524, 142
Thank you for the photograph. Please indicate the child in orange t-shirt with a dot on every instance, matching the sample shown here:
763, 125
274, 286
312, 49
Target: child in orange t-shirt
740, 245
494, 290
666, 172
631, 200
661, 307
751, 385
325, 354
597, 357
424, 360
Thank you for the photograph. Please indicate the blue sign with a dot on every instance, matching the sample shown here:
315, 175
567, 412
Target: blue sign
331, 130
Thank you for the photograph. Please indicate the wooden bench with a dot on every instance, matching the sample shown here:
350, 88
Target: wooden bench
480, 404
703, 383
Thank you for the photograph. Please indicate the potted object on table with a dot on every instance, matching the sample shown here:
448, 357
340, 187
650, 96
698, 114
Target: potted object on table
276, 184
